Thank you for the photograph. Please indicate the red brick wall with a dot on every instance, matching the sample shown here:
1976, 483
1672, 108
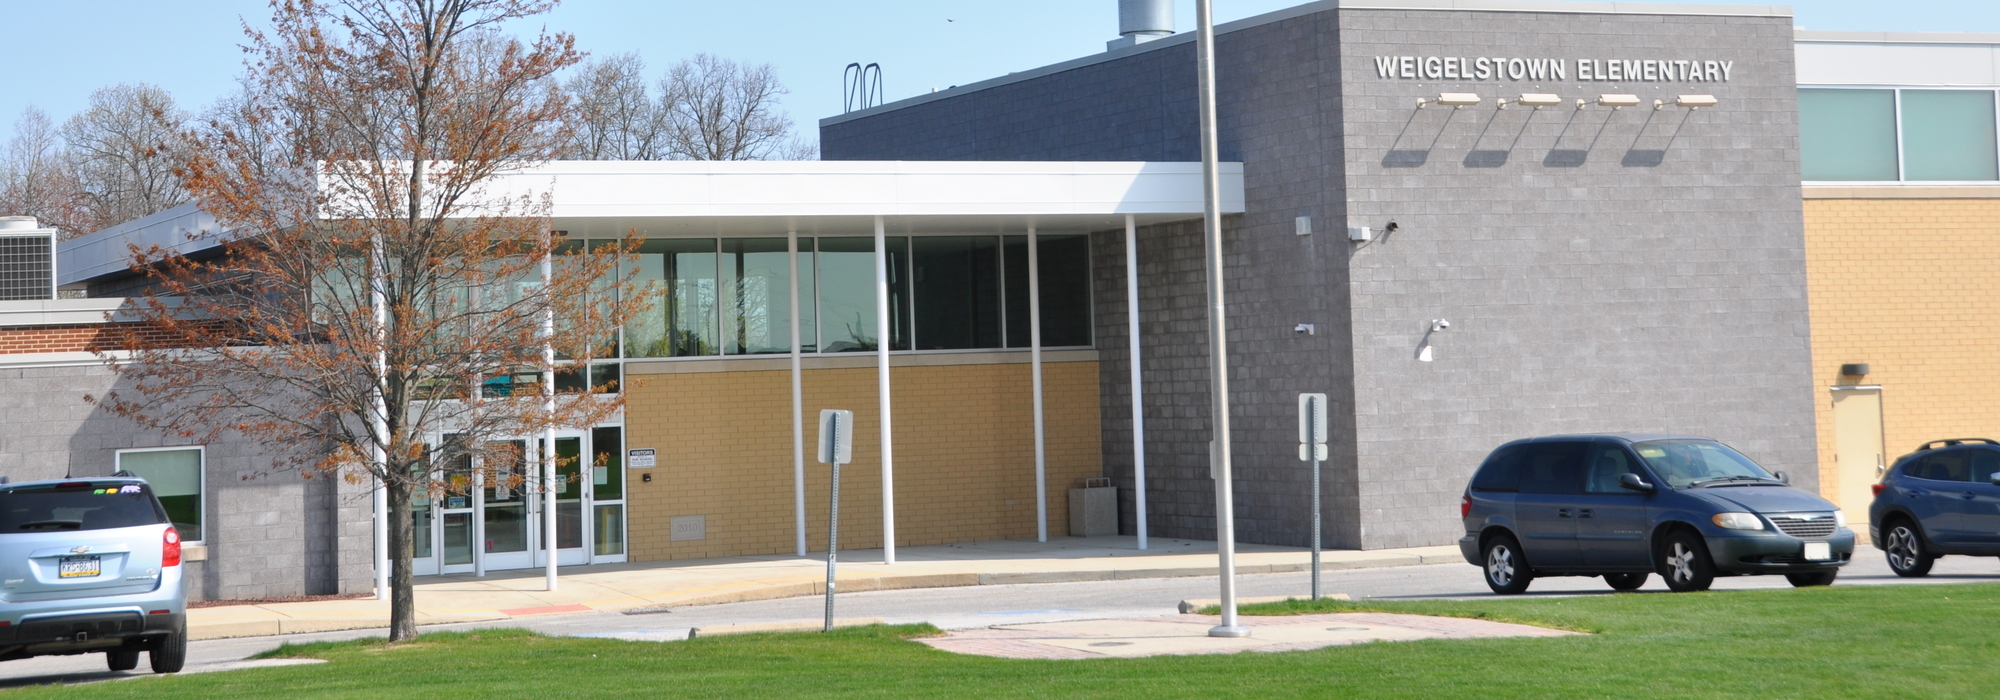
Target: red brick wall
73, 338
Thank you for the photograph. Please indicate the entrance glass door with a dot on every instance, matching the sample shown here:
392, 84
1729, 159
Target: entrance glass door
508, 478
485, 513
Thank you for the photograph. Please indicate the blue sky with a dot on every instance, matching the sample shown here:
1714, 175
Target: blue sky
57, 52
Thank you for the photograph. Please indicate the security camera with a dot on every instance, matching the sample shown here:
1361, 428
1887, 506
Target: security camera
1440, 324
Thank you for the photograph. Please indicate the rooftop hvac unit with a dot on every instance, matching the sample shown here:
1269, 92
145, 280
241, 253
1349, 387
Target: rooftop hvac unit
27, 259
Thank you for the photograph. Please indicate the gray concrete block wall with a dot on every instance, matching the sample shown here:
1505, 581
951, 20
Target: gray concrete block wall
1627, 270
1630, 270
268, 532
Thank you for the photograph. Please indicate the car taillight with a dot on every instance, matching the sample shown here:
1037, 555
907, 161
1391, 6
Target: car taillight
170, 548
1465, 507
1878, 488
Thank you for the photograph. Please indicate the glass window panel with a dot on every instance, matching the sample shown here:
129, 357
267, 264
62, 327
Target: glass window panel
680, 274
957, 291
756, 296
610, 534
506, 518
1014, 282
608, 464
1065, 281
604, 377
175, 476
1065, 277
1948, 135
1847, 134
808, 298
847, 294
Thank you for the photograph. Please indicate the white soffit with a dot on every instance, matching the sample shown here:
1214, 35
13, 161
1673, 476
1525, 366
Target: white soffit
1857, 58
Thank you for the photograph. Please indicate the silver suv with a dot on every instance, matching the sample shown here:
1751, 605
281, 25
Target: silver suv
90, 565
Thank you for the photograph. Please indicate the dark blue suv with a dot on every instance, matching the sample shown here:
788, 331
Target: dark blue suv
1628, 505
1942, 499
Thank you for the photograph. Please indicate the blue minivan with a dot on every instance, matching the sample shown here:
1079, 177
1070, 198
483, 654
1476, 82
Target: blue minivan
1624, 506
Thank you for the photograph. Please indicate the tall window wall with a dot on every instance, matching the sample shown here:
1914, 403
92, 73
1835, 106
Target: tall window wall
1906, 134
732, 296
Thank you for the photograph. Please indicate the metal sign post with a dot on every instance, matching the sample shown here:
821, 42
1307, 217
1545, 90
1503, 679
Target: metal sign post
1312, 448
836, 445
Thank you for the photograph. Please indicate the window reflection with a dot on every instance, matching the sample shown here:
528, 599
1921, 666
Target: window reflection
680, 276
847, 294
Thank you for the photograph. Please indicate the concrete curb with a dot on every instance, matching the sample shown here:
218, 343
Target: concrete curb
839, 622
1192, 605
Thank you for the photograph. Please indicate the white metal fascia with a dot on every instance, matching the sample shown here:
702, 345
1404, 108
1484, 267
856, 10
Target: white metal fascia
183, 229
64, 312
603, 189
1850, 62
35, 360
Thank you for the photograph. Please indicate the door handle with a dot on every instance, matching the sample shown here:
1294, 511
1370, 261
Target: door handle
1562, 512
1583, 513
1968, 495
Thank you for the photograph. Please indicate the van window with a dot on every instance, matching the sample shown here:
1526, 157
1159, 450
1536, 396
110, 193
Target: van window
1502, 470
1984, 463
1608, 462
1553, 467
78, 506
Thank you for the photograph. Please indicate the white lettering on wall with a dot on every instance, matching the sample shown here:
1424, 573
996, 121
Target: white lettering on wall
1492, 68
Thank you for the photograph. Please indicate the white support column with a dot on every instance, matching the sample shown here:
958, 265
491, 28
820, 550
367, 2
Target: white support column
798, 401
882, 390
479, 516
1138, 403
549, 430
1035, 371
378, 297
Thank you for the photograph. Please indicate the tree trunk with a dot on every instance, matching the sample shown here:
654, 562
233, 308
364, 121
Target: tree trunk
402, 586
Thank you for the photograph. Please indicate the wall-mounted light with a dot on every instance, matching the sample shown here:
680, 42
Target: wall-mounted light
1854, 369
1303, 225
1618, 101
1454, 100
1305, 328
1534, 99
1695, 101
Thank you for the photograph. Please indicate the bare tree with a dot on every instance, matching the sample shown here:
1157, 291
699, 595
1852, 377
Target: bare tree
125, 147
717, 109
36, 180
376, 292
614, 115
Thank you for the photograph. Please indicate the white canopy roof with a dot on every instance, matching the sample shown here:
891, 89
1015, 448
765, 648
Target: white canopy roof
707, 198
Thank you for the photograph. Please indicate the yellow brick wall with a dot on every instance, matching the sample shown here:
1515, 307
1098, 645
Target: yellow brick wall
964, 456
1911, 287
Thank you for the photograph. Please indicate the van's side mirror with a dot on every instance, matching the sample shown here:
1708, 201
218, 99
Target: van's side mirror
1783, 478
1632, 481
1995, 478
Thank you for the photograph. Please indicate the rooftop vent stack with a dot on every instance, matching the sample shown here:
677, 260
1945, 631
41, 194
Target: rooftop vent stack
1140, 21
27, 259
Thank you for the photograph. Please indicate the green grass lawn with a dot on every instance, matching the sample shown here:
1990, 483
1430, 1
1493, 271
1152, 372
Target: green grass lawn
1859, 642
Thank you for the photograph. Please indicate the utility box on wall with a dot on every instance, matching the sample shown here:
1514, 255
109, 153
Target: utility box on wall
1093, 509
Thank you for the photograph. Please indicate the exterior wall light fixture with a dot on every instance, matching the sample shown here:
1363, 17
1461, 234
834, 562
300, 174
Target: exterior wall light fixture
1689, 101
1454, 100
1618, 101
1534, 99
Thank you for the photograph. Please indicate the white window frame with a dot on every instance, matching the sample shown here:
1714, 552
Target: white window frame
201, 475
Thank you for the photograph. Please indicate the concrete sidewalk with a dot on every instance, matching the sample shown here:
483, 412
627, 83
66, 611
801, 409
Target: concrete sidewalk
513, 594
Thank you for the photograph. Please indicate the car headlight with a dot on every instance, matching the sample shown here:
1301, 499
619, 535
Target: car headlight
1738, 521
1839, 518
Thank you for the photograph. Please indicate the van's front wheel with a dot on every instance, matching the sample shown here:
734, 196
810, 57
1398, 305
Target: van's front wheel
1684, 563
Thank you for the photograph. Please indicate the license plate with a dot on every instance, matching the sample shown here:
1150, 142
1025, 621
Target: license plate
1818, 551
79, 567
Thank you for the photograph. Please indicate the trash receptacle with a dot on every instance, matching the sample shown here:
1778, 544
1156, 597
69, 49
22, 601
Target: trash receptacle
1093, 509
